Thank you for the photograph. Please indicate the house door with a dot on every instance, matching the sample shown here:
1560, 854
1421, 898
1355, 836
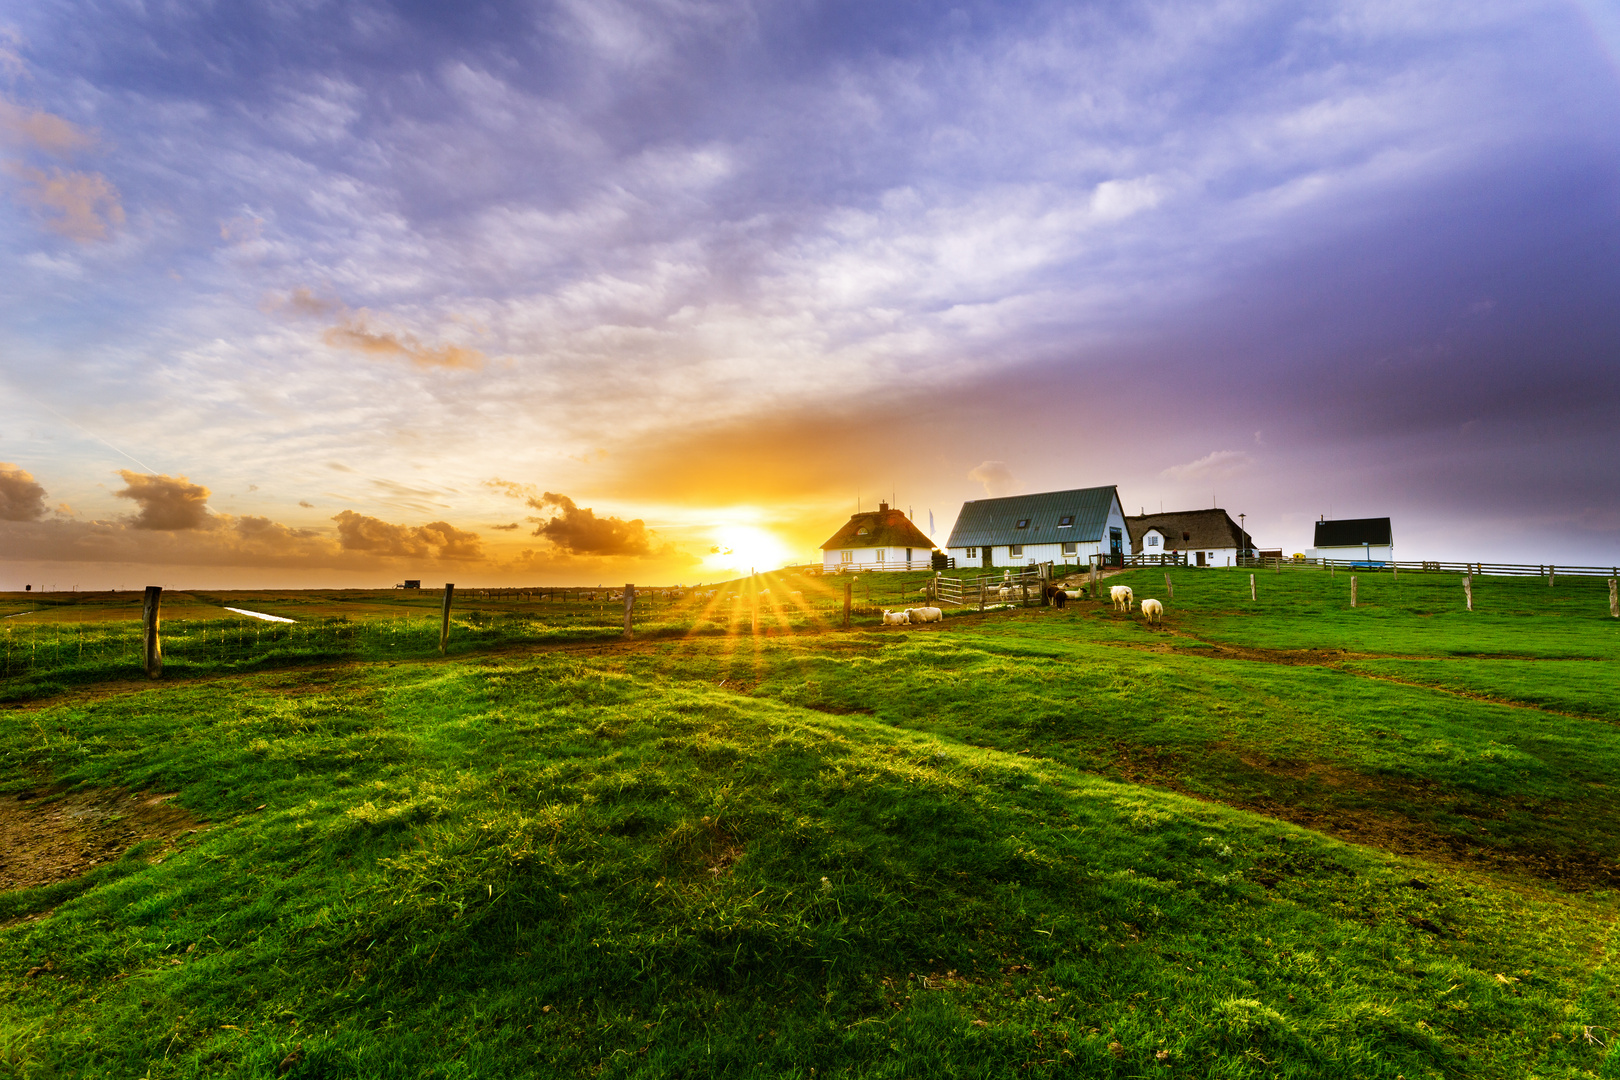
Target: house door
1116, 542
1200, 558
988, 561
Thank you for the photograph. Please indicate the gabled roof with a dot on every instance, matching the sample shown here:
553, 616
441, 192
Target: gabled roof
1353, 532
992, 522
884, 528
1184, 530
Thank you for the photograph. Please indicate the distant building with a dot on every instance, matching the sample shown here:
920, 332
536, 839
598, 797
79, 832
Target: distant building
881, 539
1053, 526
1354, 540
1206, 537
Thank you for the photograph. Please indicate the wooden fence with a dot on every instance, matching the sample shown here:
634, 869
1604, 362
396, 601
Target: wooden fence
1546, 570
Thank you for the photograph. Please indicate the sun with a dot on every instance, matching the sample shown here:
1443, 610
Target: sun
744, 547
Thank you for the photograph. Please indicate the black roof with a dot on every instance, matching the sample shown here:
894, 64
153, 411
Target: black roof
1353, 532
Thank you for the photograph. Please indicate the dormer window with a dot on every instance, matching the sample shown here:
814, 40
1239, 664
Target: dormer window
861, 531
1153, 539
1065, 521
1023, 523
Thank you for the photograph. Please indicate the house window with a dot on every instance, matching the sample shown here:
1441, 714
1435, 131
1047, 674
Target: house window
861, 531
879, 554
1065, 521
1153, 539
1016, 550
846, 556
1023, 523
1068, 550
973, 553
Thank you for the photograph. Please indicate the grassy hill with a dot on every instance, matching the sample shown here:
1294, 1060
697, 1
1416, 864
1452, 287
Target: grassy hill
1030, 843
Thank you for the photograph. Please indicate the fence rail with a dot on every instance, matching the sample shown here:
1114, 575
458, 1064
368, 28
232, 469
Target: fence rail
1021, 585
1438, 566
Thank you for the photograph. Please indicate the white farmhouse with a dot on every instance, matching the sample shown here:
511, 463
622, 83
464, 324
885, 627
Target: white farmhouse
1354, 540
881, 539
1054, 526
1206, 537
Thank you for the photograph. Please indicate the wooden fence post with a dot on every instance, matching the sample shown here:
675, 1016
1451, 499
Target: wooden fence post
1552, 572
152, 647
1094, 577
1468, 590
1352, 590
849, 590
629, 607
1251, 587
1169, 588
1046, 581
444, 618
1614, 598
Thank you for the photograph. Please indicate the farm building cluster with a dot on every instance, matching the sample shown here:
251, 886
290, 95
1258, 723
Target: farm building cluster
1077, 527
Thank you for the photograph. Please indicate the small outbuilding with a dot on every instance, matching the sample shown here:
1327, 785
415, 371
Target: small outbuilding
1206, 537
1354, 540
1066, 527
881, 539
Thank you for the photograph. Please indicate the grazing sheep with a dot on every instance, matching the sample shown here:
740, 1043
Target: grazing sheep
1122, 597
1152, 610
926, 614
1007, 592
896, 618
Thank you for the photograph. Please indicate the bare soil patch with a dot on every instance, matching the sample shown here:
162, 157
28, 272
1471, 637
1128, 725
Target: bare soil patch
1387, 828
48, 835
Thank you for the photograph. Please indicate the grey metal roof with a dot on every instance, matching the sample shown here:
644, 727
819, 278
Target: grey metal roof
993, 522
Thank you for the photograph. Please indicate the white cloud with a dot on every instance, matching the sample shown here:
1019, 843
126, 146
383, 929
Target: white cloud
1215, 465
996, 477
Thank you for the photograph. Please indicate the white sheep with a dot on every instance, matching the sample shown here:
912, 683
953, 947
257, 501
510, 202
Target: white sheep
1074, 594
896, 618
1152, 610
1122, 597
926, 614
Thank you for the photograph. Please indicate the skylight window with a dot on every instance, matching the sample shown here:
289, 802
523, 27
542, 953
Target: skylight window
1023, 523
1065, 521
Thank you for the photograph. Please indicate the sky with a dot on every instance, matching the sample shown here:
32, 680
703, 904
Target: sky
307, 294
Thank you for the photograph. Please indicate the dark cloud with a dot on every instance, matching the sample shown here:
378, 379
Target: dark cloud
579, 531
21, 499
436, 539
510, 527
167, 503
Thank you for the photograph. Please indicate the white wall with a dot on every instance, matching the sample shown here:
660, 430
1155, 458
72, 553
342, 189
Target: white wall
1358, 553
894, 558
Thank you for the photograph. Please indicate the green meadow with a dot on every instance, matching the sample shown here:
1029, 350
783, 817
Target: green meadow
1278, 837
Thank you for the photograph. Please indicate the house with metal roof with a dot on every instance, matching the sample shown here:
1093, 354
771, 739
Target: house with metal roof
1053, 526
1206, 537
881, 539
1354, 540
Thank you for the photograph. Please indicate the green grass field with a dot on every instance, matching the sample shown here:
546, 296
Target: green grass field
1274, 838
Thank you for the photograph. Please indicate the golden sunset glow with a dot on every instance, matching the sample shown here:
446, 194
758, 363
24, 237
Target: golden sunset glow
741, 547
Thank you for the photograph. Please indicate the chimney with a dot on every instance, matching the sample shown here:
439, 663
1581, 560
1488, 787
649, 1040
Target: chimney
883, 508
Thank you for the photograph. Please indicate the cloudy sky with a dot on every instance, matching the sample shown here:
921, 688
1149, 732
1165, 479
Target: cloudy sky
577, 291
